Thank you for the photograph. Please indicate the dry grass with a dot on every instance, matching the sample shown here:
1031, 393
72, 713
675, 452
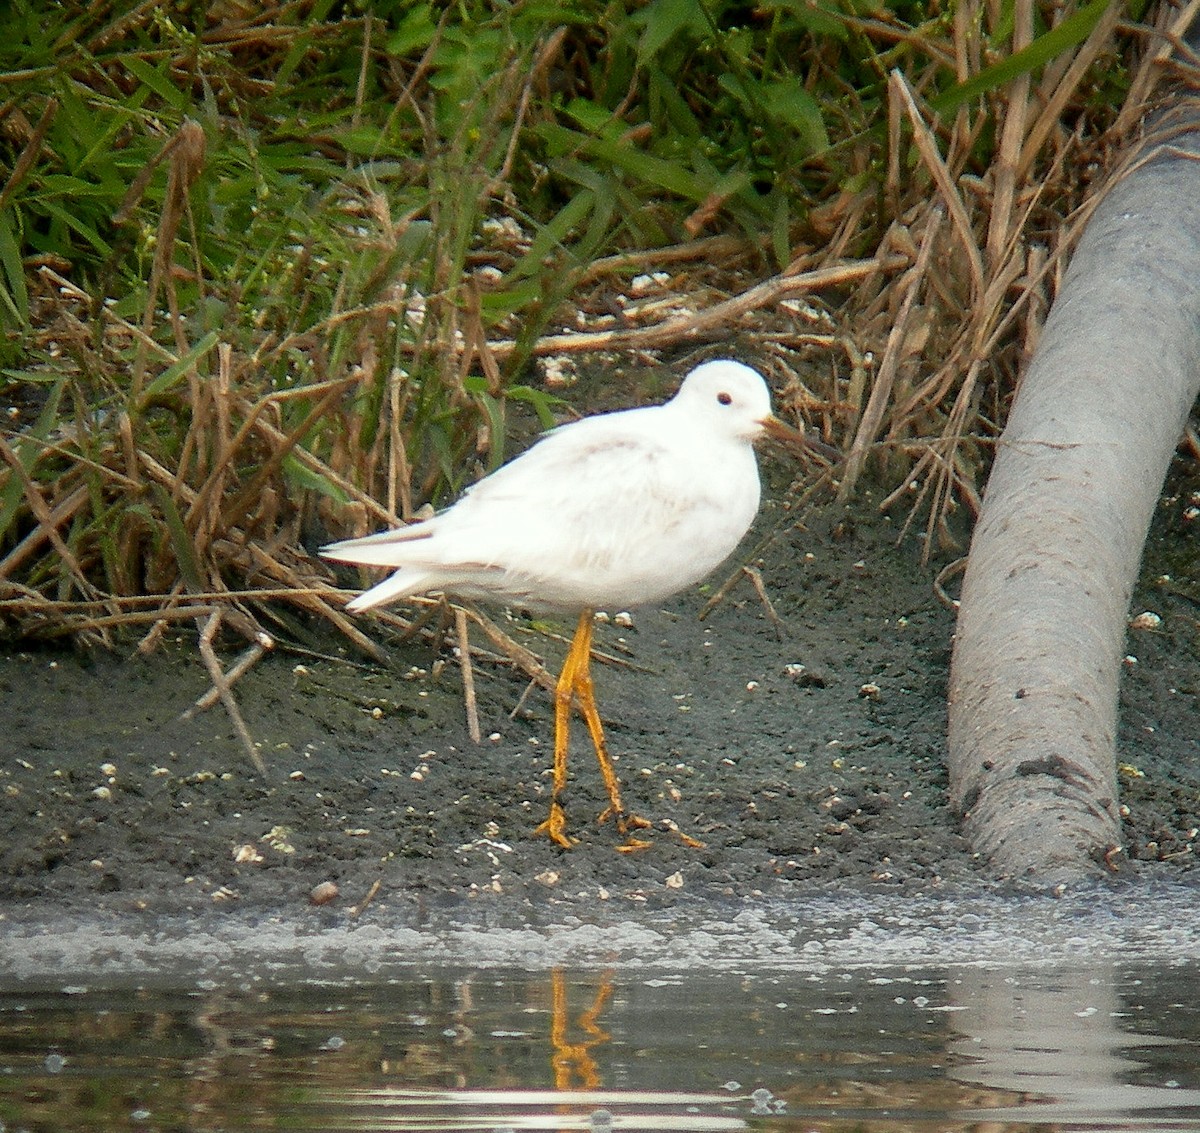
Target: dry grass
191, 495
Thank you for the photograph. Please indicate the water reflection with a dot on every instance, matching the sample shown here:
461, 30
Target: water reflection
967, 1048
574, 1066
1071, 1041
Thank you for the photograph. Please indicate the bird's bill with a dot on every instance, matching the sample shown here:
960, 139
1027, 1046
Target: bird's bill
786, 434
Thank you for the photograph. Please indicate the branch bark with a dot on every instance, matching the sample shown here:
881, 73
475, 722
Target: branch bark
1055, 554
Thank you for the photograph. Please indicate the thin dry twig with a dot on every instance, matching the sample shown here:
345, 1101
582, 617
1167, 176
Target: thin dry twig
881, 391
468, 674
208, 630
944, 575
927, 147
60, 624
249, 658
712, 320
523, 658
756, 580
357, 910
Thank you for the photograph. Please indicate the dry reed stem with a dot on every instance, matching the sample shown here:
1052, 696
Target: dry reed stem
399, 467
68, 625
725, 589
62, 512
313, 463
927, 147
285, 444
319, 600
208, 629
968, 57
881, 391
546, 55
1006, 165
987, 322
44, 515
249, 658
153, 637
967, 16
945, 474
1141, 90
185, 156
1051, 115
712, 320
711, 249
756, 580
29, 152
468, 674
523, 658
989, 317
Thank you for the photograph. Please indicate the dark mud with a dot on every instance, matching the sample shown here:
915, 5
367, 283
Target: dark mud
808, 762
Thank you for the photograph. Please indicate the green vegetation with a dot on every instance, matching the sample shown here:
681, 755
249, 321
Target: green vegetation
268, 272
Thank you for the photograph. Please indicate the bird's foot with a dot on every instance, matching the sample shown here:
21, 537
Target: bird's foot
686, 839
631, 845
626, 823
555, 826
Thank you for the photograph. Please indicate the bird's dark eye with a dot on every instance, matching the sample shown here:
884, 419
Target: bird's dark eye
725, 398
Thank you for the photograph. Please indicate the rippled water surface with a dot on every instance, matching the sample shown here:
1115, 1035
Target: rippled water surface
996, 1047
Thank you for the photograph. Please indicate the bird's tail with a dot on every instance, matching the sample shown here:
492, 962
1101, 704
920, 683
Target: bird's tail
398, 585
386, 549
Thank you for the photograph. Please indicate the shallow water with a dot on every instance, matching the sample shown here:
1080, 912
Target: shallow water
834, 1011
1086, 1045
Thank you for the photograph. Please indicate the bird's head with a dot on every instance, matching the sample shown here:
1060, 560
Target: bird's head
735, 400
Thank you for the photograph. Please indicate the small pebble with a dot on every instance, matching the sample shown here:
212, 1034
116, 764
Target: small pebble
322, 894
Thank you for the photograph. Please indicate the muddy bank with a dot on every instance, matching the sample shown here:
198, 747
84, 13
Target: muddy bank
806, 760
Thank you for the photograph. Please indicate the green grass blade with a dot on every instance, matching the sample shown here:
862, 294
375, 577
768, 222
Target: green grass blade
1071, 32
181, 541
307, 478
158, 82
647, 168
28, 450
177, 370
13, 291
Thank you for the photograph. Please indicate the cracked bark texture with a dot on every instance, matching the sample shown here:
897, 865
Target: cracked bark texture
1055, 554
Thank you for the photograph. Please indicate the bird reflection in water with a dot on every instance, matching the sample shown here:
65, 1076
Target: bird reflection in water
573, 1064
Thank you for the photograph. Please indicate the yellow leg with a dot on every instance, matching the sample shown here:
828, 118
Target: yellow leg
587, 705
576, 680
555, 826
574, 1066
578, 656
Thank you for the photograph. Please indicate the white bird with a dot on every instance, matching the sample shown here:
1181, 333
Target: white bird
616, 510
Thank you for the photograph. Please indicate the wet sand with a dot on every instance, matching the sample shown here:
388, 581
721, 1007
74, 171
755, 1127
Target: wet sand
807, 759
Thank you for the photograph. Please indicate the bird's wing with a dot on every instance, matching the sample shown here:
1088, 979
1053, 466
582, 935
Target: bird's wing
584, 504
535, 483
578, 473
